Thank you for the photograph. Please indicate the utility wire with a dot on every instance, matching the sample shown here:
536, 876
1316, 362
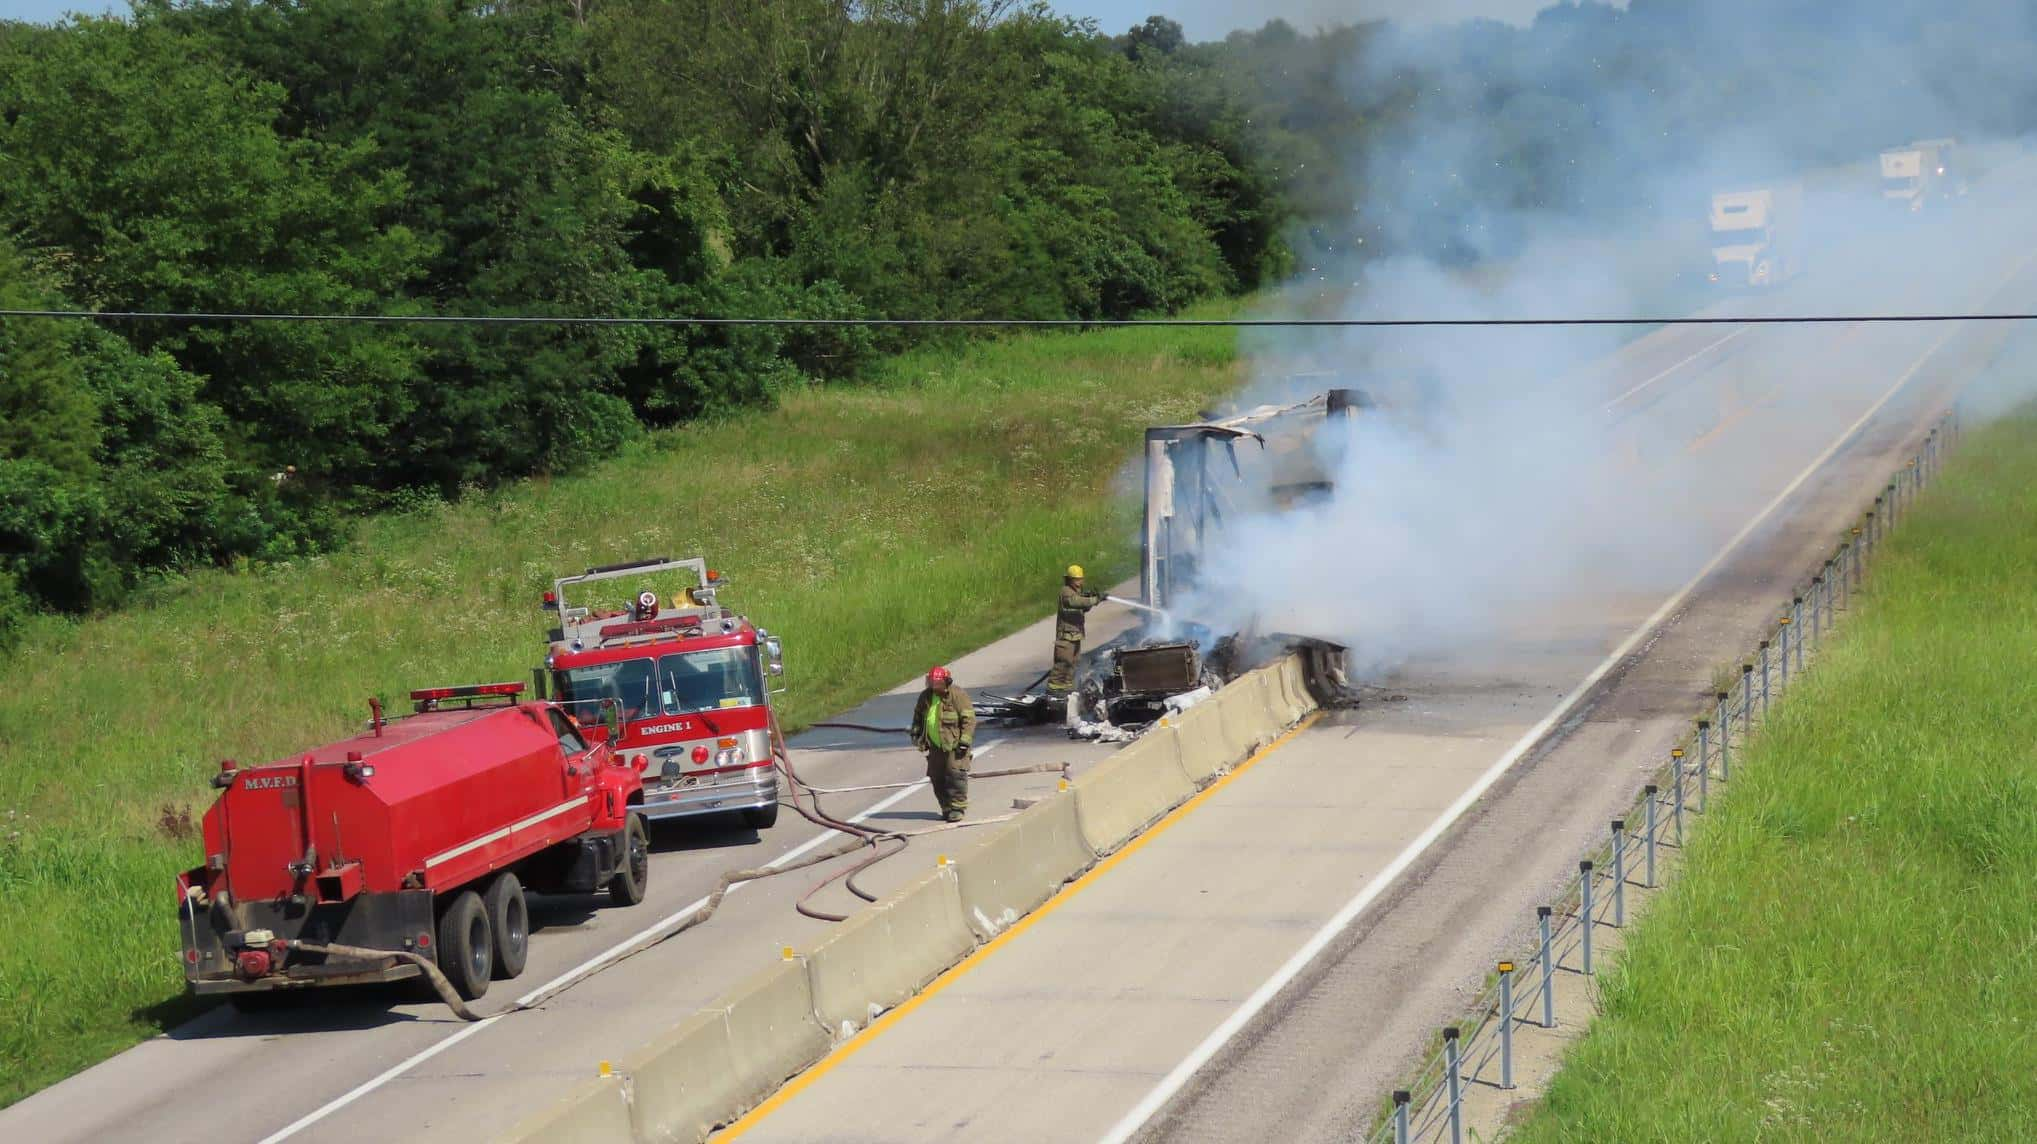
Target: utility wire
215, 317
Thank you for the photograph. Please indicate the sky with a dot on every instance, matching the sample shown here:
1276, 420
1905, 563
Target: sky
1201, 19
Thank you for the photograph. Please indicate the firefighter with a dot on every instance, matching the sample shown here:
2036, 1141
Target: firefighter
1069, 619
943, 725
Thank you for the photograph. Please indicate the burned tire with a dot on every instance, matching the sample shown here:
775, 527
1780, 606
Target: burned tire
508, 924
466, 945
627, 887
761, 817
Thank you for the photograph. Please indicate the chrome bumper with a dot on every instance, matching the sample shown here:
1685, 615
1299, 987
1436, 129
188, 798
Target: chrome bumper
753, 788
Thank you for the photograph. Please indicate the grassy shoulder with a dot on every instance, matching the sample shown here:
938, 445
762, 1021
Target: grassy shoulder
1846, 955
877, 529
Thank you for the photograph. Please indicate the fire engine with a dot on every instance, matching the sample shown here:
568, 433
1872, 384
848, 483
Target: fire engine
680, 686
411, 843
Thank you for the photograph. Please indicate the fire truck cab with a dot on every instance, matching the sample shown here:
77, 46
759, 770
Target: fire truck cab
679, 684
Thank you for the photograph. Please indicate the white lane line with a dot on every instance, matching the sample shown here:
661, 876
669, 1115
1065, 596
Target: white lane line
584, 969
1175, 1080
1709, 347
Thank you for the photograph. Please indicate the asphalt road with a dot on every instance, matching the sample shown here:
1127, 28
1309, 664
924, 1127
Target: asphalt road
1104, 1010
1270, 965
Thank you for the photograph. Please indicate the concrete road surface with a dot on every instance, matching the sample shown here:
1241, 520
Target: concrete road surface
1268, 966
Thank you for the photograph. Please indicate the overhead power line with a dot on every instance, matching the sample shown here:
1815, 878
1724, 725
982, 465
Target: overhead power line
220, 317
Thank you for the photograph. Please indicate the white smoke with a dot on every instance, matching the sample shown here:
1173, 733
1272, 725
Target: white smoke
1498, 478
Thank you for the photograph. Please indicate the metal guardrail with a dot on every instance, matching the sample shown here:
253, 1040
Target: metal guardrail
1479, 1050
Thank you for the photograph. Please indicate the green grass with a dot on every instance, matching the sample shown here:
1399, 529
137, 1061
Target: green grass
1847, 954
878, 529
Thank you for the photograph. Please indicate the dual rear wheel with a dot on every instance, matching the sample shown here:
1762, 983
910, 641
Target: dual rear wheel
484, 936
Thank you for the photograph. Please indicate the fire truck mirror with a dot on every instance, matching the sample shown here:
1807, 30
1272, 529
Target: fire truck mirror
774, 656
611, 717
537, 676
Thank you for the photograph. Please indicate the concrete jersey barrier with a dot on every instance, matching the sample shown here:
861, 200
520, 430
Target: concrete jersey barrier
1200, 738
1117, 800
1018, 867
682, 1085
884, 954
721, 1061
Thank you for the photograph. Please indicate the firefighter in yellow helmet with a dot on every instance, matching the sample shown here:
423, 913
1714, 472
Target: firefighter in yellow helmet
1069, 621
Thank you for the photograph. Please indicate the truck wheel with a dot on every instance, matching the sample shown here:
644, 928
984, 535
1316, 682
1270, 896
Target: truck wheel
761, 817
466, 948
626, 888
508, 924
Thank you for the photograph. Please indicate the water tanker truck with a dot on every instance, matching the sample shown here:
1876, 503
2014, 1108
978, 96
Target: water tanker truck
407, 849
689, 684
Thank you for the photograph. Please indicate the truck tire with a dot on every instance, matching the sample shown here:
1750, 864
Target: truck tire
466, 946
508, 924
633, 874
761, 817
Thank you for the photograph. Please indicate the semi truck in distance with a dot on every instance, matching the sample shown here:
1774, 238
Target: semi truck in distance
1919, 173
1757, 236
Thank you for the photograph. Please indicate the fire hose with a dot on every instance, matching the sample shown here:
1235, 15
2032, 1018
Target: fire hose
430, 969
872, 838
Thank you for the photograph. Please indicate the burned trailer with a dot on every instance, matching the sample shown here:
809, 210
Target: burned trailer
1203, 477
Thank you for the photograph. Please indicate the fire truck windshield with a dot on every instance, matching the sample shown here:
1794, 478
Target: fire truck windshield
676, 684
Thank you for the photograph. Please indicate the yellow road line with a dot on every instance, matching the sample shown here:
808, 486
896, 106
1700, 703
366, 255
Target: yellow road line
855, 1044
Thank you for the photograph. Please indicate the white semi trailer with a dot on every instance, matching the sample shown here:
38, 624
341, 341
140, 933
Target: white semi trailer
1758, 236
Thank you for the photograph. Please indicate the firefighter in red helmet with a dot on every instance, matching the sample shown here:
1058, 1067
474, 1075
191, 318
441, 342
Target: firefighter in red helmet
944, 725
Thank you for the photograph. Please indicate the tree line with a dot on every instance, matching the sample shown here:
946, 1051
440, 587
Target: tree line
811, 158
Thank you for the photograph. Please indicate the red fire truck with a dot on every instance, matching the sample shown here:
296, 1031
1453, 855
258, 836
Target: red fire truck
682, 684
411, 842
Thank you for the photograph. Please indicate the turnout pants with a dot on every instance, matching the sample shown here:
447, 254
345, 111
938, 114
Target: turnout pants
1061, 680
948, 774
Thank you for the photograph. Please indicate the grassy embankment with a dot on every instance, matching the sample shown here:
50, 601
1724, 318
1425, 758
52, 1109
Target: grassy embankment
1847, 953
877, 529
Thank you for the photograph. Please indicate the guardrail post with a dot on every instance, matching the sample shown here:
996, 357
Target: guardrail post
1584, 892
1648, 797
1859, 535
1453, 1064
1401, 1097
1676, 792
1764, 681
1704, 742
1782, 633
1820, 596
1506, 1024
1746, 701
1619, 872
1725, 738
1797, 624
1548, 969
1704, 784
